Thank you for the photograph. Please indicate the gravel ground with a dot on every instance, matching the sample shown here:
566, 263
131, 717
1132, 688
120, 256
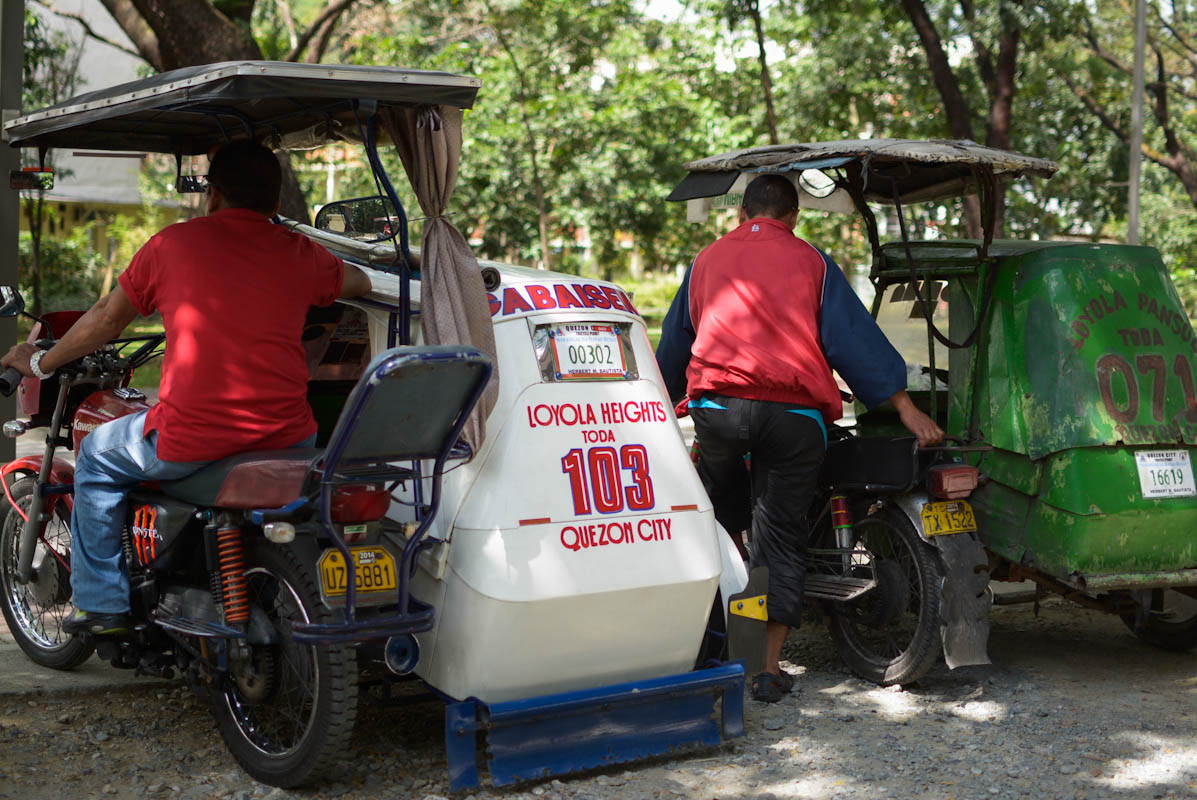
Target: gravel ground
1074, 707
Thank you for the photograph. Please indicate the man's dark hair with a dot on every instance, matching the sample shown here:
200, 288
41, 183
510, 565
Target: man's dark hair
770, 196
248, 175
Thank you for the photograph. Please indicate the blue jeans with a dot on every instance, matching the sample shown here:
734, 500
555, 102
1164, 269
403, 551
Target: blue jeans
113, 459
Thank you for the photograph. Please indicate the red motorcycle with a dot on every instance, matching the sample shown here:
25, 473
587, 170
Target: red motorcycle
240, 574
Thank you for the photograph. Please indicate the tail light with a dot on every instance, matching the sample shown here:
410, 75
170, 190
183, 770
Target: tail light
359, 503
952, 481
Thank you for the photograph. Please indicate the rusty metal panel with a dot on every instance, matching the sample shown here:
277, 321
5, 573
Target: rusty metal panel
1107, 352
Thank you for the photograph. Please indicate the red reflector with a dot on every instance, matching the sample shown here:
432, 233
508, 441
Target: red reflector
691, 507
952, 481
359, 503
537, 521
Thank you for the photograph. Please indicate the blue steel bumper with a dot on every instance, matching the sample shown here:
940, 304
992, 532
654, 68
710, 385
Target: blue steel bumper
559, 733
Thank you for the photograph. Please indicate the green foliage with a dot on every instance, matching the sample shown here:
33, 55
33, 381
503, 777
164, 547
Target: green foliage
51, 62
1170, 224
71, 272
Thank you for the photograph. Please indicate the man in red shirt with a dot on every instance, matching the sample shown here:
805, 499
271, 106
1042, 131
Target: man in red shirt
233, 289
758, 324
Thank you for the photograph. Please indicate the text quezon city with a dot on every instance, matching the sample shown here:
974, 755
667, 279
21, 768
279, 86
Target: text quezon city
606, 479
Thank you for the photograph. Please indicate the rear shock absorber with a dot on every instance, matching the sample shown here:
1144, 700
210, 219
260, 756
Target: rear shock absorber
841, 523
231, 555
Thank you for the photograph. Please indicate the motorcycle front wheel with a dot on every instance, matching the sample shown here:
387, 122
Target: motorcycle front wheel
890, 635
36, 610
286, 713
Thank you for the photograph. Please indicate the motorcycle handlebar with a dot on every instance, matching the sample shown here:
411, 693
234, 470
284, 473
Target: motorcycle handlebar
10, 379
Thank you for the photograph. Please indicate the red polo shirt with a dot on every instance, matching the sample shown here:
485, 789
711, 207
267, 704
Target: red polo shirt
233, 289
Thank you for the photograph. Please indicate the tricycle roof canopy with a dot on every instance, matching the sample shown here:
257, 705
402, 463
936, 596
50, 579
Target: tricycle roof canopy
190, 110
916, 170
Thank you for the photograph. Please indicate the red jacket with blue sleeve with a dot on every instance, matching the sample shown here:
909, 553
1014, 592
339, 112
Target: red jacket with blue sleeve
764, 315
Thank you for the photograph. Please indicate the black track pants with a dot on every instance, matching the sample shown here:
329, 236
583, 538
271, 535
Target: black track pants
787, 450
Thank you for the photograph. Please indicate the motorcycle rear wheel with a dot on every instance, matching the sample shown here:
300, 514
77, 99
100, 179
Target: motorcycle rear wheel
299, 723
36, 610
890, 635
1175, 629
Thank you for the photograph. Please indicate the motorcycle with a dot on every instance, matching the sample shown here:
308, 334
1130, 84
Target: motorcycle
280, 582
225, 565
895, 565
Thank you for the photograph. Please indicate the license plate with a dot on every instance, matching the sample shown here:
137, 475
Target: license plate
375, 571
953, 516
1165, 473
588, 351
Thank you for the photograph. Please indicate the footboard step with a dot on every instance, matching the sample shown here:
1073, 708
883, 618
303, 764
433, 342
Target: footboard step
572, 731
836, 587
199, 628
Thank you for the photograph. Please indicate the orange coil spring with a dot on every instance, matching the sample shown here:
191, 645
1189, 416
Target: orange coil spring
232, 575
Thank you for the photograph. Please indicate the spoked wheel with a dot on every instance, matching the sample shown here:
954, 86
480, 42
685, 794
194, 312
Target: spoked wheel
1172, 622
36, 610
890, 634
286, 712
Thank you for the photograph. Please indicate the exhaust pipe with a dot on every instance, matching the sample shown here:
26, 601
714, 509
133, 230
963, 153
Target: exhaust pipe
402, 653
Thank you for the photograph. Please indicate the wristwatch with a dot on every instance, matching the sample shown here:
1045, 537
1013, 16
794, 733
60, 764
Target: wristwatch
35, 367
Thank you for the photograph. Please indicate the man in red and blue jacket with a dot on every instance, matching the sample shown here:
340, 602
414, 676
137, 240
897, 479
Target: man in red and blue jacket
751, 339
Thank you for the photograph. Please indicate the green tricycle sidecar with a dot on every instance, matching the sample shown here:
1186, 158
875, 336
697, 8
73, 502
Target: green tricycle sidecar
1070, 372
1081, 378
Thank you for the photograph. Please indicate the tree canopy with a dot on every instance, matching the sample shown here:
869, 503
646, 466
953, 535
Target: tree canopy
588, 110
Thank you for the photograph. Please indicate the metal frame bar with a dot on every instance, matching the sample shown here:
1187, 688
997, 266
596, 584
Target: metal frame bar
405, 620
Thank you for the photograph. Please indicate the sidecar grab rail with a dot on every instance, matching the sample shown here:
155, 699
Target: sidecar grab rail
409, 406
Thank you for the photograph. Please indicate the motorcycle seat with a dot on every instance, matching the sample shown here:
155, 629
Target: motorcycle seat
262, 479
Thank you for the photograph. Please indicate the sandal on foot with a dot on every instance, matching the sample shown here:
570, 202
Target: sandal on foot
770, 688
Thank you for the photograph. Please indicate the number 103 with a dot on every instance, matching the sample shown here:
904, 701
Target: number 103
597, 475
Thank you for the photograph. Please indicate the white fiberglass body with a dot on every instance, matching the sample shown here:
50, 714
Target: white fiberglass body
578, 547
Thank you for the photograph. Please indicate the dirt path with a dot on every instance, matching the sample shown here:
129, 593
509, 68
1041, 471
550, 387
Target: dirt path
1074, 707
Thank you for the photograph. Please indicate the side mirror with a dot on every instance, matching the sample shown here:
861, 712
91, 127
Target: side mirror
191, 184
11, 302
31, 179
367, 219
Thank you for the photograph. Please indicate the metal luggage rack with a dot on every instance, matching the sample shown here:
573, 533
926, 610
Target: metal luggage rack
410, 406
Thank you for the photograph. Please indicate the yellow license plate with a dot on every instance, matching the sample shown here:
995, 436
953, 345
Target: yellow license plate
375, 571
953, 516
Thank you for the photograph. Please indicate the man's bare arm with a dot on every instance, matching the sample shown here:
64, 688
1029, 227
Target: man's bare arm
102, 323
355, 283
918, 423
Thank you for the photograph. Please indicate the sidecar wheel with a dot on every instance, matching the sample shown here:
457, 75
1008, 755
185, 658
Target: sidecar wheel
891, 634
288, 713
36, 610
1175, 629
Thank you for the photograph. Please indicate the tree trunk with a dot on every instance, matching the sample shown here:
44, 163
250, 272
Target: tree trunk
34, 212
954, 104
181, 33
766, 83
1001, 110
